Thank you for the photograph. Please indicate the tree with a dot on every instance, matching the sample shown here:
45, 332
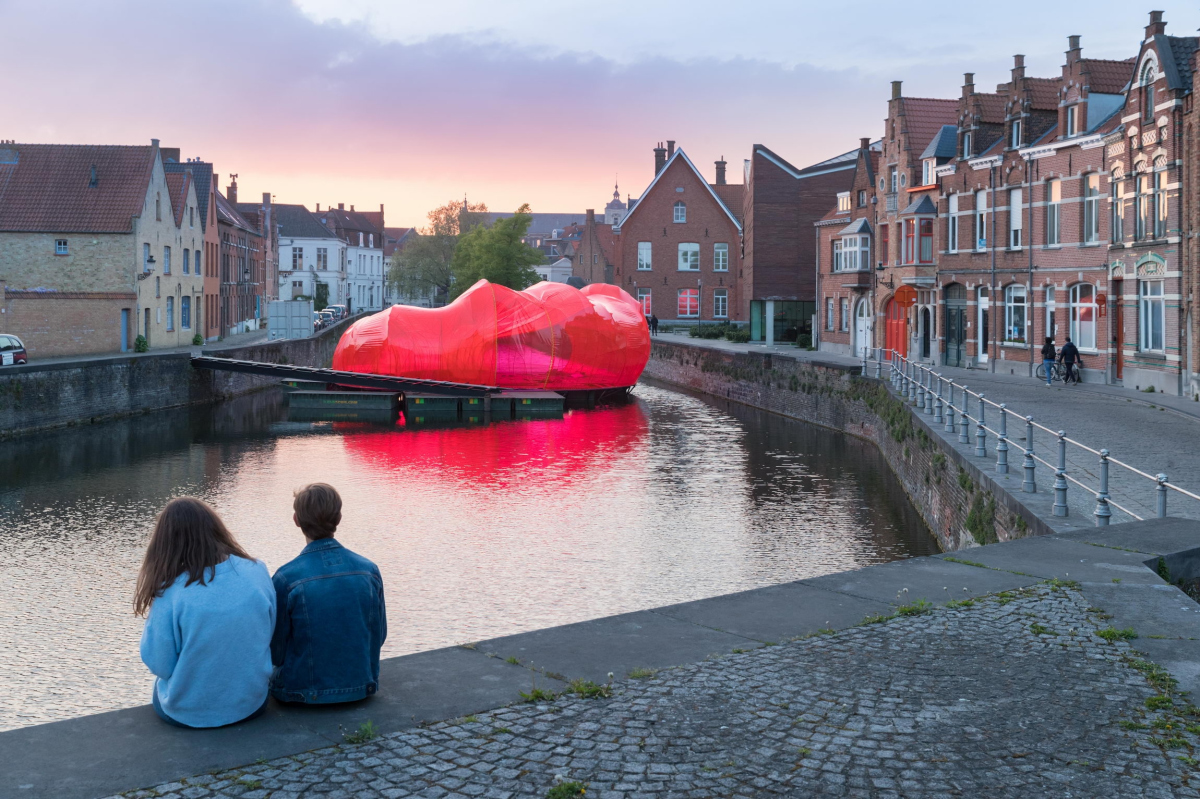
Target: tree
322, 297
497, 254
424, 265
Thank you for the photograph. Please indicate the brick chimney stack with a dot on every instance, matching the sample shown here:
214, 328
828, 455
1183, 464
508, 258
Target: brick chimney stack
721, 171
231, 191
660, 158
341, 206
267, 198
864, 144
896, 84
968, 84
670, 149
1072, 49
318, 208
1018, 70
1156, 26
591, 217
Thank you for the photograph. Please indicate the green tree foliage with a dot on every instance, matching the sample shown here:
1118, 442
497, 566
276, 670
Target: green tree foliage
497, 254
424, 264
322, 297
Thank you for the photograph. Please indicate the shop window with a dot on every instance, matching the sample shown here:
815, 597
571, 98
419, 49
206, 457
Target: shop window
1015, 314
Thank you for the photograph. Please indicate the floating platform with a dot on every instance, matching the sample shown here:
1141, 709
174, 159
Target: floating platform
515, 404
429, 404
344, 401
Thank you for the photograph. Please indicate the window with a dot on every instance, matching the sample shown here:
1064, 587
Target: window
1148, 77
1117, 190
1053, 212
895, 180
145, 257
829, 313
844, 315
981, 220
720, 257
1015, 140
158, 206
837, 255
843, 201
721, 303
952, 224
297, 259
166, 260
1015, 218
644, 256
322, 258
1083, 316
689, 257
1151, 316
1145, 211
927, 171
966, 145
644, 300
1073, 120
170, 313
186, 259
1091, 208
884, 251
1160, 205
925, 255
681, 211
689, 303
197, 261
370, 239
1051, 324
60, 246
908, 252
862, 198
185, 313
855, 253
1014, 314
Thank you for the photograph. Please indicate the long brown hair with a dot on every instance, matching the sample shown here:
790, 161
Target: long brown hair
189, 537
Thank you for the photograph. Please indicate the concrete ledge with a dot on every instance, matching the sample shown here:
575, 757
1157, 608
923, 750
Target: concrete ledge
102, 754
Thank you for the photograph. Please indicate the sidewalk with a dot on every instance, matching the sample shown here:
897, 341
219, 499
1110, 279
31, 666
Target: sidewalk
229, 342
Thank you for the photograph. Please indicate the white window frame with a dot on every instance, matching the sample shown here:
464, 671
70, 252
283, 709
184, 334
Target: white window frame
297, 259
721, 303
1159, 187
1016, 314
952, 224
166, 260
689, 256
170, 313
681, 211
1053, 212
837, 255
721, 257
829, 313
844, 315
967, 144
688, 292
1091, 208
1152, 316
1073, 120
1051, 310
927, 167
1117, 221
1016, 223
1015, 140
645, 298
1082, 303
645, 261
60, 247
981, 238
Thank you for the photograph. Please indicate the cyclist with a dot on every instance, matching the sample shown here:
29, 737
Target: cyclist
1069, 357
1048, 357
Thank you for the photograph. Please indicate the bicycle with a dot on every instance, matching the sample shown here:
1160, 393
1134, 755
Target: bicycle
1059, 372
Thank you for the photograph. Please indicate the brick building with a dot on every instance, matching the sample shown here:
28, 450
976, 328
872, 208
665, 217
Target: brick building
678, 249
97, 246
205, 181
242, 267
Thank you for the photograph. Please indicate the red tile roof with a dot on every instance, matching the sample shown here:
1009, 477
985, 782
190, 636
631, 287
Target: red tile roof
924, 117
1107, 77
992, 107
1043, 92
732, 195
45, 187
604, 237
177, 185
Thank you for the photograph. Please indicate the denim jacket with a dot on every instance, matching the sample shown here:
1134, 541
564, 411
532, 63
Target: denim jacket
329, 626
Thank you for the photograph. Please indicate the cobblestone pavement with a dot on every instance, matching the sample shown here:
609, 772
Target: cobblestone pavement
1013, 695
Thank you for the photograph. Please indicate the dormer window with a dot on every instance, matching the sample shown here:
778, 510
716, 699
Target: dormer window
1016, 134
927, 167
1074, 120
843, 201
967, 150
862, 198
680, 211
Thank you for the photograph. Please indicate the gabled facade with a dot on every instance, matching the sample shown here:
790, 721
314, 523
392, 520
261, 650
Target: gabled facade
309, 254
241, 269
205, 180
365, 268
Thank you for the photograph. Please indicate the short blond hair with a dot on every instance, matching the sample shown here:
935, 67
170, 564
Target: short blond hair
318, 508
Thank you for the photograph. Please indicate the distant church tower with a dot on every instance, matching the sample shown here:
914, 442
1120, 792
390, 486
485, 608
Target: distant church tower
615, 211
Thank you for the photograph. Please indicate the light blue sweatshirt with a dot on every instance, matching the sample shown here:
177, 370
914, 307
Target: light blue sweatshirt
210, 645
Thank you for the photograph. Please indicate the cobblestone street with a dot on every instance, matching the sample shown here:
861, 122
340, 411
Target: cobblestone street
1012, 695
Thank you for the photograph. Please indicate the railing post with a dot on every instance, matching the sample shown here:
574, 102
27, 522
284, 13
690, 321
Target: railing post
980, 433
964, 420
878, 364
1102, 512
864, 365
905, 382
929, 377
937, 403
1002, 442
1030, 484
1060, 478
1161, 505
950, 409
919, 394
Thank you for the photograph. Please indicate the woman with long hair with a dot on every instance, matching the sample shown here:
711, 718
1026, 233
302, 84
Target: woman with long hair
210, 613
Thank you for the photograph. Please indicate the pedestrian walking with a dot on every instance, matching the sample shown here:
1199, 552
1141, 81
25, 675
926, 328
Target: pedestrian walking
1049, 356
654, 324
1069, 357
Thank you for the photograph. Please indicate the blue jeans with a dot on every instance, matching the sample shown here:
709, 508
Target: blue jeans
1049, 367
162, 714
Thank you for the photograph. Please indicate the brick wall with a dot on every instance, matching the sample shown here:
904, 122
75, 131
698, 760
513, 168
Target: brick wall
51, 324
943, 486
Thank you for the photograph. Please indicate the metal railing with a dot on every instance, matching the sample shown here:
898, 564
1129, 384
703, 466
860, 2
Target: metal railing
934, 395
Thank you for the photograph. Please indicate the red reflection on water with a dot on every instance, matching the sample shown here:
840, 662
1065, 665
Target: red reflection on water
565, 450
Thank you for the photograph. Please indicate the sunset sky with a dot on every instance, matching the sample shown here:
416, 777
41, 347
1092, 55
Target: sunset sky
414, 104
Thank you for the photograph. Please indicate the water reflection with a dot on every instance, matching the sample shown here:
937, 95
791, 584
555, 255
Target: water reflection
479, 531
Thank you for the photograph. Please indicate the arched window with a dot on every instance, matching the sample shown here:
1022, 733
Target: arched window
1015, 314
680, 211
1149, 74
1083, 315
1117, 191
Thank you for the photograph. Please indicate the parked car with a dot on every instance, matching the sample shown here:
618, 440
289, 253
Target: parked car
318, 320
12, 351
339, 310
328, 317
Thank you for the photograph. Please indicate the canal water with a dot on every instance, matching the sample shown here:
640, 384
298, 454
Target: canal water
479, 532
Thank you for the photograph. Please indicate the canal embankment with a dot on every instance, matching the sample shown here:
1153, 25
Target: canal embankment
63, 393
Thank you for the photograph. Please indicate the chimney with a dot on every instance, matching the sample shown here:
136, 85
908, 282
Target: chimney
231, 191
591, 217
968, 84
318, 208
721, 171
154, 143
1072, 49
351, 207
896, 89
1018, 70
1156, 26
660, 158
670, 149
341, 207
266, 198
864, 144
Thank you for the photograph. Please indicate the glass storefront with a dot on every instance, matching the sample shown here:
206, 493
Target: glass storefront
793, 320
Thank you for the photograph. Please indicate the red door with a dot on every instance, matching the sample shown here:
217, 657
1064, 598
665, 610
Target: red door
896, 335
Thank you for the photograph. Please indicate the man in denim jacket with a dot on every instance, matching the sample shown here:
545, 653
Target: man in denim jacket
330, 622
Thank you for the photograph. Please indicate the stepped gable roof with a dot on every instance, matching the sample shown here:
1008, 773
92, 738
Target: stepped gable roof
202, 176
177, 186
944, 144
992, 107
732, 195
47, 187
1043, 92
228, 214
1178, 66
925, 116
604, 237
297, 222
1107, 77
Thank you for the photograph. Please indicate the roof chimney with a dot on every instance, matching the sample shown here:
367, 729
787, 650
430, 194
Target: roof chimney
341, 207
896, 84
1018, 70
266, 198
670, 149
968, 84
351, 207
1156, 26
721, 171
864, 144
318, 208
591, 217
660, 158
154, 143
231, 191
1072, 49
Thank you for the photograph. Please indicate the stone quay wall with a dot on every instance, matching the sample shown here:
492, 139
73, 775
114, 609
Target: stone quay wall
64, 393
962, 505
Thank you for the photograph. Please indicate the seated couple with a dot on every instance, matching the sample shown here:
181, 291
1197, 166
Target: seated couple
221, 634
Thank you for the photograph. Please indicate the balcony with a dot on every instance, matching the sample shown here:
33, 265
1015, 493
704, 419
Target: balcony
892, 204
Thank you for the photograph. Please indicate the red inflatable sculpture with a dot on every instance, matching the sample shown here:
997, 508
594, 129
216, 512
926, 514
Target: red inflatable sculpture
550, 336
